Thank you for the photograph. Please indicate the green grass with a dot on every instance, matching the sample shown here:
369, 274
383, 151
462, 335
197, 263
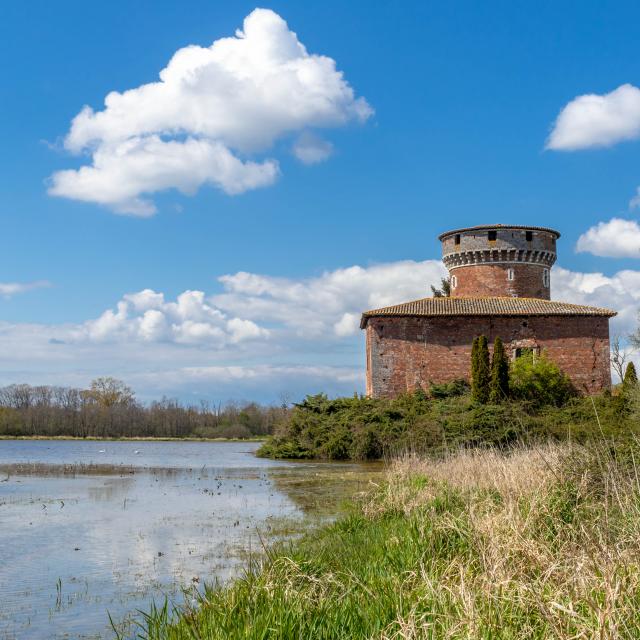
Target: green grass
540, 542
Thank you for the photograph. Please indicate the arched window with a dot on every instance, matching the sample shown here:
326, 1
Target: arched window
454, 282
511, 274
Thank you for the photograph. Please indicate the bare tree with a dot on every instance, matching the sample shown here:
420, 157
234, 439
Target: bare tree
619, 357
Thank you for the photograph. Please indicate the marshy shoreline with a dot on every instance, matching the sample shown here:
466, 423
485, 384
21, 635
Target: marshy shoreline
537, 541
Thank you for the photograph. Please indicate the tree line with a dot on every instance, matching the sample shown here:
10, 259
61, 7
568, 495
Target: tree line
109, 409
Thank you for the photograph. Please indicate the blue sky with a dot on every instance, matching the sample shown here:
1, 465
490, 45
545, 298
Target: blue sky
452, 107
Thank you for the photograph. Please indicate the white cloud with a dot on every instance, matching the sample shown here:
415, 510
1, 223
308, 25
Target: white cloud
310, 149
597, 120
635, 201
616, 238
328, 305
9, 289
146, 317
619, 292
211, 111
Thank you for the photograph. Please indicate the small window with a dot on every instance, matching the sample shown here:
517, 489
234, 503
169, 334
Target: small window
492, 236
545, 277
457, 240
511, 274
454, 282
529, 235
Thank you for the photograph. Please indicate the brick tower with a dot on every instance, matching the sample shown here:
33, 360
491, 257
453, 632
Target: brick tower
500, 288
500, 260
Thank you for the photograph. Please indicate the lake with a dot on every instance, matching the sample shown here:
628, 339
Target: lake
90, 529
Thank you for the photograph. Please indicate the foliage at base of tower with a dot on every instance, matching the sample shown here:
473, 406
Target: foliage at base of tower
361, 428
480, 370
538, 380
499, 386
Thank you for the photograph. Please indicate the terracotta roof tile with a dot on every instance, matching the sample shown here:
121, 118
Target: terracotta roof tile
429, 307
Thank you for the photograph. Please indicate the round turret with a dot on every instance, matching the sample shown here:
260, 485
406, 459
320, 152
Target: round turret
500, 260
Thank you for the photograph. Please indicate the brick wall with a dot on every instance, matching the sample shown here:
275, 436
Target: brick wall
492, 280
404, 353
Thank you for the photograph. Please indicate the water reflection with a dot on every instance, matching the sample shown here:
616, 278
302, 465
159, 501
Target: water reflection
78, 538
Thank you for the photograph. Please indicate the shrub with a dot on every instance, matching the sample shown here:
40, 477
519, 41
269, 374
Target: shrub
451, 389
540, 381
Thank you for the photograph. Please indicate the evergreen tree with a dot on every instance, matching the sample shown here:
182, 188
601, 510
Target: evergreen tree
499, 387
481, 368
474, 364
630, 380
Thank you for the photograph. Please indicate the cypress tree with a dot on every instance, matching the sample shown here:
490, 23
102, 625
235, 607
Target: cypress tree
474, 364
630, 379
481, 379
499, 387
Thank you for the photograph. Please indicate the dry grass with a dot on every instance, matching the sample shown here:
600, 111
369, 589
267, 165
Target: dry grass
537, 542
556, 528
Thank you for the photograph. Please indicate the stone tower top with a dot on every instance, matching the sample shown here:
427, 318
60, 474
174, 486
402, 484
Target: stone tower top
500, 260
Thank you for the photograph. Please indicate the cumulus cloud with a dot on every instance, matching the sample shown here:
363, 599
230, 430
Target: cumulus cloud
328, 305
145, 316
212, 111
616, 238
594, 120
8, 289
620, 292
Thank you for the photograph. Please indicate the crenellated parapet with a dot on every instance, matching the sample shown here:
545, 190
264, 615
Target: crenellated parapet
500, 260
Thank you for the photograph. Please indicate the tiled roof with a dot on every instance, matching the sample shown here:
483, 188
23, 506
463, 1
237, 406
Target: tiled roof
483, 227
429, 307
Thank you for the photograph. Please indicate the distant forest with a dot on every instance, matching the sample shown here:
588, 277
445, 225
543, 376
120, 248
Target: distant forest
109, 409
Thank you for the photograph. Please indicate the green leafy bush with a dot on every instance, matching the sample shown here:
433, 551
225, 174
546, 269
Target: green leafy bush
451, 389
538, 380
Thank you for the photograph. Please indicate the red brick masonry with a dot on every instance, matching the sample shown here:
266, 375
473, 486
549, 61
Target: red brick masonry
492, 280
408, 352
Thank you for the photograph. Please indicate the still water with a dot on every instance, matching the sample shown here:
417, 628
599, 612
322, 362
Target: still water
92, 529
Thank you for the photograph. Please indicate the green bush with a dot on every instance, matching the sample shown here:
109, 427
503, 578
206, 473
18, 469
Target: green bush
451, 389
538, 380
371, 428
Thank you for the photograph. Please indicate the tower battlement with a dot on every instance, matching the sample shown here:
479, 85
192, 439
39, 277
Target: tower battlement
500, 260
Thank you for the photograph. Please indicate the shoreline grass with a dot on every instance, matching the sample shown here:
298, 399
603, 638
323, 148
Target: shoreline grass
538, 541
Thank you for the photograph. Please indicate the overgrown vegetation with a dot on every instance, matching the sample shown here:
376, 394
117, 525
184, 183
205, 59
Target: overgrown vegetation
536, 543
363, 428
529, 400
109, 409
